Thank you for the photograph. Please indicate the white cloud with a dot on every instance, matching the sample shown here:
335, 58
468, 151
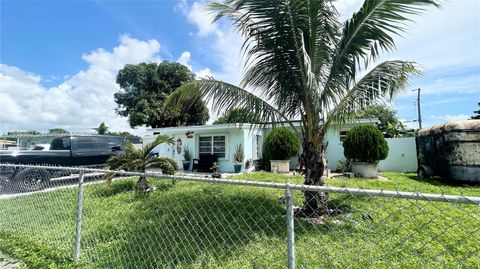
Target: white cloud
184, 59
79, 103
206, 72
448, 117
221, 45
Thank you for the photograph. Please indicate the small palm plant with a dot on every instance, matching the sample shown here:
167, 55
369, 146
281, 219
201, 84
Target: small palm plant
138, 160
238, 157
187, 156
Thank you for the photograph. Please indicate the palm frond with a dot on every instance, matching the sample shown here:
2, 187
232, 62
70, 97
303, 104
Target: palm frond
224, 97
369, 32
159, 140
168, 165
383, 82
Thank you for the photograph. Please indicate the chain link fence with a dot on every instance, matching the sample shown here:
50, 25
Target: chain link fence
77, 220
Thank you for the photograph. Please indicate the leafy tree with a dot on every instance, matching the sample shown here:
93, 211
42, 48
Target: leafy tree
238, 115
389, 124
139, 159
477, 112
144, 87
303, 63
57, 131
102, 129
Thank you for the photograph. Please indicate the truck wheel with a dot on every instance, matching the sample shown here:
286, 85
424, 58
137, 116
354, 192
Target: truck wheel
31, 179
424, 172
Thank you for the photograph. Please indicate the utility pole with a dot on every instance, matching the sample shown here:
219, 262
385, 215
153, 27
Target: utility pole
418, 107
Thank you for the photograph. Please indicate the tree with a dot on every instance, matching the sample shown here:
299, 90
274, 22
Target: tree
302, 63
139, 159
102, 129
144, 87
238, 115
389, 124
477, 112
57, 131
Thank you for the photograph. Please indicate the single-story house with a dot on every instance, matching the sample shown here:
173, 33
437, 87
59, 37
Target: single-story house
222, 139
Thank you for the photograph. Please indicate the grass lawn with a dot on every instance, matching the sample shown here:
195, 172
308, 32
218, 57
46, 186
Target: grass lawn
198, 225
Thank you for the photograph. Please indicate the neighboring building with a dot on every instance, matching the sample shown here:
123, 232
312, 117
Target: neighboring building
222, 139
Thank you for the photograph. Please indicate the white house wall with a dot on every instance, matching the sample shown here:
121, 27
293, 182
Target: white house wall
234, 136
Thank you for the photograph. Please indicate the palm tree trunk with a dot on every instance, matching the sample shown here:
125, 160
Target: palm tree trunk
312, 157
142, 184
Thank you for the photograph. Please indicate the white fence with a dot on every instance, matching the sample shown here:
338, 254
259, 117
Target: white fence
402, 155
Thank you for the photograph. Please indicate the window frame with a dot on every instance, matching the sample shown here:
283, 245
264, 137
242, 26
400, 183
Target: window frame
226, 158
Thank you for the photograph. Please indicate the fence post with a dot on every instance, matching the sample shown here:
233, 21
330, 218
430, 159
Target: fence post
79, 215
290, 228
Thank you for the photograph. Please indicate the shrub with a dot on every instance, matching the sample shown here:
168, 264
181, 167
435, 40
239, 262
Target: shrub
365, 143
280, 144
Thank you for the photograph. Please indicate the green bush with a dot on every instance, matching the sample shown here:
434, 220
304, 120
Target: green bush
365, 143
280, 144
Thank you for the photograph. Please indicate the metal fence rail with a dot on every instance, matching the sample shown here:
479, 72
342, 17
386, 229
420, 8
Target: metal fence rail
195, 221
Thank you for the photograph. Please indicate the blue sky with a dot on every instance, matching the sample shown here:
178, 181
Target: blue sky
59, 58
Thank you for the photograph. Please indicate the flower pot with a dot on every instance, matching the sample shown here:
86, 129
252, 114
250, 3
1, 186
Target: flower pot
238, 167
365, 170
280, 166
186, 166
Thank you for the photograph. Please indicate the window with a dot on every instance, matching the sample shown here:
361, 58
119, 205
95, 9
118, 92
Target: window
215, 145
343, 134
84, 143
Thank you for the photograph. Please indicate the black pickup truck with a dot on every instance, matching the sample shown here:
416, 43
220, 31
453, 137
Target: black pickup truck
86, 151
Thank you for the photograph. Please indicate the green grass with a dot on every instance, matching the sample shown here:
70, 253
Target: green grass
199, 225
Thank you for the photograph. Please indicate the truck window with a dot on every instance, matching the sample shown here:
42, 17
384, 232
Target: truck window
84, 143
60, 143
108, 142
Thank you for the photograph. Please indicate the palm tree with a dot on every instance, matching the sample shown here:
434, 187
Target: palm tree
138, 160
302, 63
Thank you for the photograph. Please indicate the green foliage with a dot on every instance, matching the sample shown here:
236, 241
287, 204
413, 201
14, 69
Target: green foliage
118, 229
239, 155
102, 129
389, 125
365, 143
238, 115
477, 114
187, 155
57, 131
139, 159
344, 166
280, 144
144, 88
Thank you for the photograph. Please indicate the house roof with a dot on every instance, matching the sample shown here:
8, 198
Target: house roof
179, 129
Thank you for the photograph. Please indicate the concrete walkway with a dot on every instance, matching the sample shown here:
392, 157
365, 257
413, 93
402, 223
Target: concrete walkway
9, 264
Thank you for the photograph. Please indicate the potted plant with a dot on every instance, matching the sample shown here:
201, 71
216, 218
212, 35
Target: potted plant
187, 156
365, 146
279, 146
238, 158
